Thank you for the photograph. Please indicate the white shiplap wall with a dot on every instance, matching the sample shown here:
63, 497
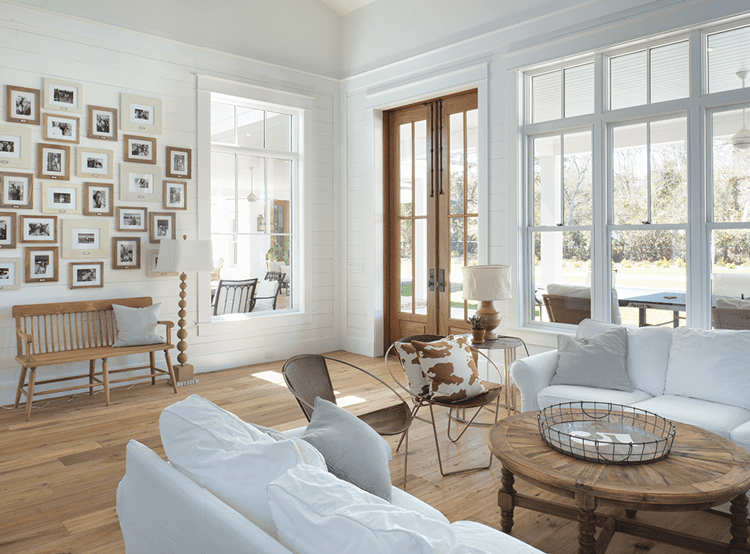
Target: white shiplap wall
110, 61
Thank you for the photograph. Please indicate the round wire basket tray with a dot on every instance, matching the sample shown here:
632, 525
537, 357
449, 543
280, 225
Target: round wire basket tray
606, 433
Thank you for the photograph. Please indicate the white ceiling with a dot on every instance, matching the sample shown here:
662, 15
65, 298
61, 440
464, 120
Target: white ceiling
343, 7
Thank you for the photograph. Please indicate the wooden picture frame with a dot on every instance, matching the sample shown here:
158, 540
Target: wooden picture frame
15, 147
95, 163
62, 198
63, 96
139, 149
85, 238
140, 182
42, 264
152, 255
102, 123
11, 273
53, 161
161, 226
179, 162
140, 114
126, 253
98, 199
39, 229
85, 275
175, 195
132, 219
22, 105
17, 190
8, 230
61, 128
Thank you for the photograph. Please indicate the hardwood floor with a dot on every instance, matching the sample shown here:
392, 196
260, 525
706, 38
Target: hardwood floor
59, 471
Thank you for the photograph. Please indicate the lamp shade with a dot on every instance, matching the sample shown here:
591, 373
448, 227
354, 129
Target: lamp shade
487, 282
185, 255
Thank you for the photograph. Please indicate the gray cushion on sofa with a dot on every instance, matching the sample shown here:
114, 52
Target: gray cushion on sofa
599, 361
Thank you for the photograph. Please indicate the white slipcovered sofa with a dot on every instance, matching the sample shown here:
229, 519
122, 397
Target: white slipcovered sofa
233, 487
699, 377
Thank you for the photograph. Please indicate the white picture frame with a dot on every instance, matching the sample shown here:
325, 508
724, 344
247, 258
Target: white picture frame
63, 96
85, 238
140, 182
15, 147
59, 198
140, 114
95, 163
11, 274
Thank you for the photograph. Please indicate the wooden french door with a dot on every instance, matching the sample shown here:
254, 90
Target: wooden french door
431, 209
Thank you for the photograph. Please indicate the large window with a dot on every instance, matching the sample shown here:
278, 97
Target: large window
254, 164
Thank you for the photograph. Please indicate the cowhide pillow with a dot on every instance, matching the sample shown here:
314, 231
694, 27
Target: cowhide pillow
418, 384
450, 368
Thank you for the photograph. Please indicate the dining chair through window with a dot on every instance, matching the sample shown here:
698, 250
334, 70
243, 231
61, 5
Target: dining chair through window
234, 297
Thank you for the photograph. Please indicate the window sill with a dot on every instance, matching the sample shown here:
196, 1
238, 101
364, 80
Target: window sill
238, 323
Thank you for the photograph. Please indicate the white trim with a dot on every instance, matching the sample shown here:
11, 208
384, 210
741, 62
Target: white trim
299, 99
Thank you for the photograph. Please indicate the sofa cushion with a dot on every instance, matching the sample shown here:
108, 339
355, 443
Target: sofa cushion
712, 416
740, 435
476, 538
418, 384
648, 351
404, 500
599, 361
230, 458
450, 368
556, 394
710, 365
316, 513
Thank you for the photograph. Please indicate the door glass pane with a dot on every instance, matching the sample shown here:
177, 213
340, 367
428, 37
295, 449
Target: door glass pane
547, 160
421, 272
628, 80
458, 250
457, 158
546, 97
222, 123
731, 170
223, 196
577, 175
472, 161
421, 173
279, 131
728, 52
405, 167
670, 72
249, 127
250, 192
407, 284
630, 173
579, 90
669, 171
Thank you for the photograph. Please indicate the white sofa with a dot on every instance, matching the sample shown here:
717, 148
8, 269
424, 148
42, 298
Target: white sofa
304, 510
689, 375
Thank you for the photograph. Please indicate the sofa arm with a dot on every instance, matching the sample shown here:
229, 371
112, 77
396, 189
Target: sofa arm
531, 375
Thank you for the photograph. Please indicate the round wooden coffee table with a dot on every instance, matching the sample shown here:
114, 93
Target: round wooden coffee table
701, 471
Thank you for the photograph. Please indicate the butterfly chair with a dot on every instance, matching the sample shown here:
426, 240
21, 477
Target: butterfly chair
421, 397
307, 377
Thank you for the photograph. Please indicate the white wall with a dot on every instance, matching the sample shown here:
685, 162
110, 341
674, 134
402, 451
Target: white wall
107, 61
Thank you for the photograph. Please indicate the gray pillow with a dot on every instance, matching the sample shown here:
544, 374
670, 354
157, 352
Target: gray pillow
599, 362
137, 326
353, 450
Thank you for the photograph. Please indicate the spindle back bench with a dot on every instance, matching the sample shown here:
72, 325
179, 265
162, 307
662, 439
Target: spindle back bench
65, 332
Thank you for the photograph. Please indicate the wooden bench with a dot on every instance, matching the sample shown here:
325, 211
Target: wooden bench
65, 332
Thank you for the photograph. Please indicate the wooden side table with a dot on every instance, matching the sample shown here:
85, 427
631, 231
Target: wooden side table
508, 345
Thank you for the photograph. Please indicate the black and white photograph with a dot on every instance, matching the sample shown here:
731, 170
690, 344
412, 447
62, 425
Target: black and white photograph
126, 253
63, 198
97, 199
86, 275
85, 238
39, 228
63, 96
42, 264
94, 163
22, 104
61, 128
7, 230
53, 161
132, 218
140, 149
162, 226
17, 190
140, 114
102, 123
175, 195
178, 162
10, 273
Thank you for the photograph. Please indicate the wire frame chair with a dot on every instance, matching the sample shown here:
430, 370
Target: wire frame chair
567, 309
307, 377
420, 400
234, 297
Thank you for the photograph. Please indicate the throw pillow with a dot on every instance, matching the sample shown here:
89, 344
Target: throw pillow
353, 450
418, 384
137, 326
450, 368
598, 362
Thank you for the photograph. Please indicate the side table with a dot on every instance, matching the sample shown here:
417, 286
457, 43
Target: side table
508, 345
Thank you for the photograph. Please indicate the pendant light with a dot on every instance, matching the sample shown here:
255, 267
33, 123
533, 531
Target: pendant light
252, 197
741, 140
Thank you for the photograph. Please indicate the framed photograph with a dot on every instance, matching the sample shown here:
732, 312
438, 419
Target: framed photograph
86, 275
97, 199
162, 226
126, 253
63, 96
140, 114
61, 198
140, 149
175, 195
7, 230
61, 128
140, 183
178, 162
17, 190
42, 264
102, 123
95, 163
132, 219
53, 161
152, 255
85, 238
15, 147
39, 228
22, 104
11, 270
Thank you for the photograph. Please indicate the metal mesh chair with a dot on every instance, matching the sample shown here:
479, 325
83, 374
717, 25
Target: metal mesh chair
567, 309
420, 400
234, 297
307, 377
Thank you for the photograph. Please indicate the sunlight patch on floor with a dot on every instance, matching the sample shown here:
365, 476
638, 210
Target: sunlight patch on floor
277, 378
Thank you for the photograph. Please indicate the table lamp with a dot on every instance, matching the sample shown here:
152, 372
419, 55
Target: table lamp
487, 283
184, 255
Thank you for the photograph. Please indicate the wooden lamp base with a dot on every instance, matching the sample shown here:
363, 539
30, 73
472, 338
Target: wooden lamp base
491, 317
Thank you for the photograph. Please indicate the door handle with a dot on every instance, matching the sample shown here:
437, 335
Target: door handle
441, 280
431, 282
